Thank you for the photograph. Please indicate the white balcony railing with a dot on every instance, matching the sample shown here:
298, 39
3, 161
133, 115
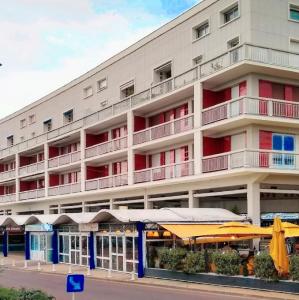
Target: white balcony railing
64, 189
32, 168
8, 198
11, 174
106, 182
251, 159
250, 106
65, 159
32, 194
166, 129
165, 172
106, 147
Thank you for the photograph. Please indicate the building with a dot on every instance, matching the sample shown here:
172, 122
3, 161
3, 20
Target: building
201, 113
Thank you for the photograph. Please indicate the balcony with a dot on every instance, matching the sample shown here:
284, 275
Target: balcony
32, 194
250, 106
263, 159
7, 175
165, 172
106, 182
64, 189
163, 130
8, 198
106, 147
65, 159
32, 168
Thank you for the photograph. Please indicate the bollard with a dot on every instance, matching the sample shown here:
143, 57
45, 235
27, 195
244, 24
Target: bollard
38, 266
53, 268
133, 276
2, 262
25, 264
13, 263
109, 273
70, 269
88, 272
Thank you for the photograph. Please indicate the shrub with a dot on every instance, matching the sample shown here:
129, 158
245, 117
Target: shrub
22, 294
294, 267
227, 263
172, 259
194, 263
264, 267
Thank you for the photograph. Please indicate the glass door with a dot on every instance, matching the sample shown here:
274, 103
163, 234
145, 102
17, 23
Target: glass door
131, 251
117, 253
102, 252
75, 249
84, 250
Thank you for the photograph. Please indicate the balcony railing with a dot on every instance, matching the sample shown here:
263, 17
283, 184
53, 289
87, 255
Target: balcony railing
32, 168
165, 172
11, 174
166, 129
8, 198
64, 159
244, 52
251, 159
250, 106
106, 182
106, 147
32, 194
65, 189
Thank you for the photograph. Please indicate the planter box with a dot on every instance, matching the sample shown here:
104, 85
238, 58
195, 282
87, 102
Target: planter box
234, 281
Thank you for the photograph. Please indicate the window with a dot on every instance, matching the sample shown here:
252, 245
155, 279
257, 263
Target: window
201, 30
163, 72
68, 116
23, 123
197, 60
48, 125
294, 12
230, 14
126, 90
282, 142
88, 92
233, 43
10, 141
31, 119
102, 84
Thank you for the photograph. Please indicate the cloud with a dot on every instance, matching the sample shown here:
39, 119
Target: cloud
45, 44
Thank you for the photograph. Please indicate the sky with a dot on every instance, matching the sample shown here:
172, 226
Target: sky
44, 44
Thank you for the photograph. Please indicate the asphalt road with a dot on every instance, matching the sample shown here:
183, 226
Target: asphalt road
95, 289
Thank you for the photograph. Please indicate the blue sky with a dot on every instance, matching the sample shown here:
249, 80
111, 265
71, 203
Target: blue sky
46, 43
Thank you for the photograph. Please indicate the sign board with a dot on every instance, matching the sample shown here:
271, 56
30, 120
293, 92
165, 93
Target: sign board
282, 216
89, 227
14, 229
75, 283
39, 228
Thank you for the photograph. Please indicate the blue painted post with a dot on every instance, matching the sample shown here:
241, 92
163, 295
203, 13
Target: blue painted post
140, 229
91, 251
27, 245
55, 258
5, 243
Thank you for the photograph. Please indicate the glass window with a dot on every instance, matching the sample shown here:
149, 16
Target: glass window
231, 14
102, 84
201, 30
294, 12
289, 143
277, 142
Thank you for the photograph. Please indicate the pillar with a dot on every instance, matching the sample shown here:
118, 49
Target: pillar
83, 167
141, 259
55, 257
27, 245
46, 154
91, 251
5, 243
130, 126
254, 202
193, 202
17, 177
147, 204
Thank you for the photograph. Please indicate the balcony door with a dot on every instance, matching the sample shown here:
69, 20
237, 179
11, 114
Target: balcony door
286, 145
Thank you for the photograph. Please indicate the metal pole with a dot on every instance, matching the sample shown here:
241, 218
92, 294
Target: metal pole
73, 296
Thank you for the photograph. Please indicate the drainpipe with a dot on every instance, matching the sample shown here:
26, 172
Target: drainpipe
27, 245
55, 247
91, 251
140, 230
5, 243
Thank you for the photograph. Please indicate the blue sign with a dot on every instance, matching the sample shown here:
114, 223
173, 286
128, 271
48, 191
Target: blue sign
75, 283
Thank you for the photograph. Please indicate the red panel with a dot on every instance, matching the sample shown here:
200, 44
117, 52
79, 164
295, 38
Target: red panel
53, 179
92, 139
53, 152
140, 162
162, 158
243, 89
139, 123
150, 162
97, 172
172, 156
288, 93
265, 89
227, 93
1, 168
265, 143
226, 143
2, 190
24, 161
209, 98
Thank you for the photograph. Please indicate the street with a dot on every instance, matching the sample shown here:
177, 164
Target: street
95, 289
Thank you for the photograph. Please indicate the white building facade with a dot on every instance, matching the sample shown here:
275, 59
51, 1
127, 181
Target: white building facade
203, 112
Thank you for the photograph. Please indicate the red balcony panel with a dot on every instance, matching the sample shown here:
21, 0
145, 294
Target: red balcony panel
53, 151
265, 143
28, 185
211, 98
213, 146
53, 179
139, 123
97, 172
140, 162
92, 139
243, 89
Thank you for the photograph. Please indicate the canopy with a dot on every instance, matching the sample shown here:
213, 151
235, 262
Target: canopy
290, 229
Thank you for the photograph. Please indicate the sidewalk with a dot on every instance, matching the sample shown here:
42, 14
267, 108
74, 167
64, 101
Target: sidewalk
17, 262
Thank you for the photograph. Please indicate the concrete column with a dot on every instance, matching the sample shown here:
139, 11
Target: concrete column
193, 202
198, 98
130, 126
254, 202
147, 204
83, 167
46, 155
17, 177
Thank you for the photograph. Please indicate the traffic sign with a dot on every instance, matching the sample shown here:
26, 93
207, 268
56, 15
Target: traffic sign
75, 283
